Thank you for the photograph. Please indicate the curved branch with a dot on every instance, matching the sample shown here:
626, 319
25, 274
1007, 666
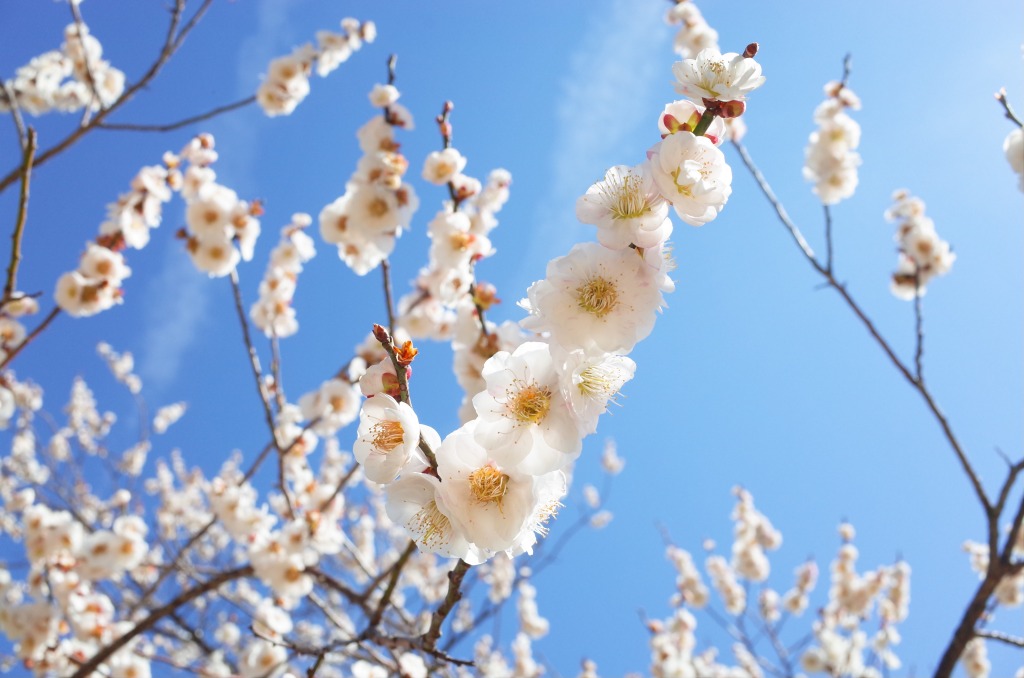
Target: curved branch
171, 126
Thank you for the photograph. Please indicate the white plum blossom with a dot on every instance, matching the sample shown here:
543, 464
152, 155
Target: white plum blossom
389, 433
523, 419
627, 208
692, 174
595, 299
440, 167
716, 76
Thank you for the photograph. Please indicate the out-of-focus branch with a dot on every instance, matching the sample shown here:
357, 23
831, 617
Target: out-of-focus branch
171, 126
385, 599
1011, 115
918, 328
31, 336
19, 122
176, 34
184, 598
385, 269
19, 224
454, 595
1015, 641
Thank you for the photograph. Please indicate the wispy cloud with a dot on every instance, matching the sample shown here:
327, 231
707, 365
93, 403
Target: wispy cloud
176, 302
178, 298
606, 99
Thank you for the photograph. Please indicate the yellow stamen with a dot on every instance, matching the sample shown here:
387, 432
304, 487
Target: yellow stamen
387, 435
528, 402
488, 485
598, 296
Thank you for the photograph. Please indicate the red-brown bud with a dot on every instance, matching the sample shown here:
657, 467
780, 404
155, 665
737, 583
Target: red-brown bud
381, 334
751, 51
731, 109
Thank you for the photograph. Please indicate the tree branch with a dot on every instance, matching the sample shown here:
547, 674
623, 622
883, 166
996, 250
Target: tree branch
19, 224
171, 126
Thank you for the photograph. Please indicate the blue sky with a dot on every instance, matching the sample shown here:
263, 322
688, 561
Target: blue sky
752, 375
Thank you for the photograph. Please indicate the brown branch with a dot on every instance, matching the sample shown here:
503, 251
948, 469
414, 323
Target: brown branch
1011, 115
172, 42
171, 126
831, 281
19, 225
385, 599
31, 336
385, 268
19, 121
454, 595
76, 16
184, 598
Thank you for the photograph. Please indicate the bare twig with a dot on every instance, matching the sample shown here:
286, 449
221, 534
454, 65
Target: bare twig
19, 122
828, 239
1015, 641
918, 327
385, 599
831, 281
171, 126
1011, 115
31, 336
184, 598
19, 225
172, 42
385, 269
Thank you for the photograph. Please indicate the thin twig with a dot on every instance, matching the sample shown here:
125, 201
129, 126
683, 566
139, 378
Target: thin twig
76, 15
19, 122
830, 280
918, 327
1016, 641
183, 598
31, 336
171, 126
828, 239
1011, 115
19, 225
172, 42
385, 599
385, 268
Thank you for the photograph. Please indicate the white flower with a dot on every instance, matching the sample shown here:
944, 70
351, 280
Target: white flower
215, 257
590, 382
389, 432
523, 419
692, 175
334, 405
415, 502
595, 299
684, 115
627, 208
440, 167
491, 501
383, 95
716, 76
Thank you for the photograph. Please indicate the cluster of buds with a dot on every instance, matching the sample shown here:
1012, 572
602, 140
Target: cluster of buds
66, 80
287, 82
923, 255
831, 160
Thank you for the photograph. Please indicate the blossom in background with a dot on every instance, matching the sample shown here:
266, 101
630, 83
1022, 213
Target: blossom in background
831, 160
923, 255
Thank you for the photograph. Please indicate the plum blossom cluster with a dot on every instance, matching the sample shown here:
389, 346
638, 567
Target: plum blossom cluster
923, 255
216, 218
65, 80
695, 34
491, 486
840, 644
273, 312
222, 229
377, 204
831, 159
287, 80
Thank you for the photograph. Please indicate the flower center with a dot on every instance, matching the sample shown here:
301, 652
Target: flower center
598, 381
530, 403
387, 435
626, 198
488, 485
597, 296
432, 525
377, 207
